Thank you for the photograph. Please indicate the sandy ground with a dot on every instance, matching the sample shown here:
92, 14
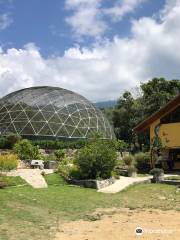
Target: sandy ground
121, 224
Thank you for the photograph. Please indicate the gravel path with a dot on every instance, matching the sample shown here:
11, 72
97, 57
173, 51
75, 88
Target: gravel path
31, 176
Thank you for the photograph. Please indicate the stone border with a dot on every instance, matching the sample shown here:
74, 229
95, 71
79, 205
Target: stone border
90, 183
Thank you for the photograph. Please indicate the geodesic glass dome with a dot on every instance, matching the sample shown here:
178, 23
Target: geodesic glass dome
51, 112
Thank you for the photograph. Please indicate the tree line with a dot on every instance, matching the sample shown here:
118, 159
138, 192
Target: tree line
131, 110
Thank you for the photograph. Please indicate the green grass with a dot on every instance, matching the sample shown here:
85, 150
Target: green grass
173, 178
54, 179
27, 213
12, 181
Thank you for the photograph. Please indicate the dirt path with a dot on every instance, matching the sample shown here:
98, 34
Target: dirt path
156, 225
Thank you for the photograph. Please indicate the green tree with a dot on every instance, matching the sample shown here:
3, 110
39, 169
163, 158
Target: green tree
156, 93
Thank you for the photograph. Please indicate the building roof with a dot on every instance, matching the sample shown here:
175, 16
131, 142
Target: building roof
169, 107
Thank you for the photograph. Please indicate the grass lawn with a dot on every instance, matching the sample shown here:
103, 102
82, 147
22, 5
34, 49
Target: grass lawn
173, 178
27, 213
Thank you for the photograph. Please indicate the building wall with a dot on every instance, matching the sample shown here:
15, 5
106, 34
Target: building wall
170, 135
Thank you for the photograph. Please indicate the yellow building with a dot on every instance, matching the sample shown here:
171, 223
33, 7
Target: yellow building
164, 127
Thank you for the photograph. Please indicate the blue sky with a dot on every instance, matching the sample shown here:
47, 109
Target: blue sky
43, 23
98, 48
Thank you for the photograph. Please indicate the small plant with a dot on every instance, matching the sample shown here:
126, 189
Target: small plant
26, 151
142, 161
132, 171
156, 171
8, 162
60, 154
49, 157
158, 174
128, 160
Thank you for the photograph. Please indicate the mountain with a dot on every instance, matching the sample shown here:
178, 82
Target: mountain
106, 104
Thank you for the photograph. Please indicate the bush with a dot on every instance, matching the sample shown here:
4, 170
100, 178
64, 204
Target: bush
96, 160
59, 154
128, 160
57, 144
157, 171
131, 169
26, 151
8, 162
49, 157
9, 141
120, 145
142, 161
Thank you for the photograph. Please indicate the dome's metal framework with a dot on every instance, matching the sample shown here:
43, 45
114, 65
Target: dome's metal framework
51, 112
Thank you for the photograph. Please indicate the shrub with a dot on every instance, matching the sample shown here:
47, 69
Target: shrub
142, 161
128, 160
9, 141
96, 160
131, 169
49, 157
8, 162
57, 144
26, 150
59, 154
156, 171
120, 145
75, 173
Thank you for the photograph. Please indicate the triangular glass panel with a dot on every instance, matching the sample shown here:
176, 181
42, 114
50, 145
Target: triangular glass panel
70, 122
6, 118
48, 108
38, 117
46, 131
47, 115
10, 129
31, 114
77, 134
15, 114
27, 130
75, 120
93, 122
21, 117
91, 113
72, 109
3, 109
64, 111
16, 107
83, 131
55, 119
37, 126
90, 132
62, 132
54, 127
70, 129
19, 126
63, 117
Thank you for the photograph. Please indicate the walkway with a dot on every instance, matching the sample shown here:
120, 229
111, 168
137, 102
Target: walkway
31, 176
125, 182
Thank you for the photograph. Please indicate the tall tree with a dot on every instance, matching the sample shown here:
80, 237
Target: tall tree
130, 111
156, 93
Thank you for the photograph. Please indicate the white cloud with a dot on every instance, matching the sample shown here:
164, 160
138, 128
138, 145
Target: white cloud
5, 20
105, 70
86, 19
121, 8
89, 17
